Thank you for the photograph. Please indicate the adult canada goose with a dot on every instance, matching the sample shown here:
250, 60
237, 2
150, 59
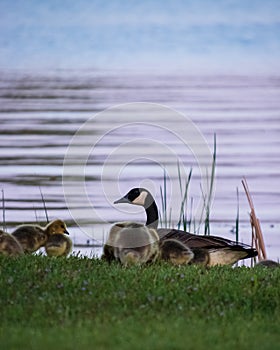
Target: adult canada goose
33, 237
58, 245
9, 245
131, 243
219, 251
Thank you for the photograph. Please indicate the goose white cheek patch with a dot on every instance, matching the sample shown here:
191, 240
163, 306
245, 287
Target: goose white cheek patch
140, 200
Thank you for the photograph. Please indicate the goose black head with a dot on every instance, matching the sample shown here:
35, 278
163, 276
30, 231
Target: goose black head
137, 196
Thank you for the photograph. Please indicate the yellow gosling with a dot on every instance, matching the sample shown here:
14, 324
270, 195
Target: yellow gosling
201, 257
33, 237
268, 263
58, 245
131, 244
9, 245
175, 252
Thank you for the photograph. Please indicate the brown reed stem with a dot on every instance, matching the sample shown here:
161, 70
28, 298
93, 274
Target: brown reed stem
257, 236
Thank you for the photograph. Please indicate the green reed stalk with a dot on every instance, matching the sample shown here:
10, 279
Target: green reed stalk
204, 207
192, 219
170, 218
163, 196
35, 212
3, 210
208, 200
186, 221
237, 217
183, 220
44, 203
164, 219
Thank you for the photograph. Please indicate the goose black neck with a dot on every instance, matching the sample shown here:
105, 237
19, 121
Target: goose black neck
152, 215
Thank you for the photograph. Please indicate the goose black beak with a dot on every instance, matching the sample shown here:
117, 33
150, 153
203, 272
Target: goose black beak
122, 200
66, 232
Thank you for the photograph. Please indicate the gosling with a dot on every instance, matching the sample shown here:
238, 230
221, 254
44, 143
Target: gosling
9, 245
201, 257
131, 244
33, 237
58, 245
175, 252
268, 263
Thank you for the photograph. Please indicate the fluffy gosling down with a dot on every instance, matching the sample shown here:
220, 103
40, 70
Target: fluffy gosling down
9, 245
33, 237
176, 252
131, 244
268, 263
58, 245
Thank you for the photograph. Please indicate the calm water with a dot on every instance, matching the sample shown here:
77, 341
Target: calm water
235, 35
40, 113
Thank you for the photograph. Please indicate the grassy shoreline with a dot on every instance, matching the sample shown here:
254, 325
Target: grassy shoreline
86, 303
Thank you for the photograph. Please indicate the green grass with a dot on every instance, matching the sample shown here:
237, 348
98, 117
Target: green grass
87, 304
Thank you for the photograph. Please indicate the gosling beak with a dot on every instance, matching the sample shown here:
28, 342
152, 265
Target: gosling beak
66, 232
122, 200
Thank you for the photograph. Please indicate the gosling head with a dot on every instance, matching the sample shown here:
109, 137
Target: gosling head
57, 226
137, 196
129, 257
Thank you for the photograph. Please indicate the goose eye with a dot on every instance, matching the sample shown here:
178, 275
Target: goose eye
134, 194
62, 226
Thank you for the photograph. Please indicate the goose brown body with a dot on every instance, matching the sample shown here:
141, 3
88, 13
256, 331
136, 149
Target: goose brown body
208, 250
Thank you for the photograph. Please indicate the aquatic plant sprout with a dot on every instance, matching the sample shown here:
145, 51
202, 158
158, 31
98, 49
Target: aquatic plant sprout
138, 134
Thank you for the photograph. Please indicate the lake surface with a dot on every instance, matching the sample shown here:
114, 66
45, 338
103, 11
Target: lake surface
40, 112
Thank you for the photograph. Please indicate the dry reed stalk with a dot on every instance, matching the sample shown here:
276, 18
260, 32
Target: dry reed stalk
257, 236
